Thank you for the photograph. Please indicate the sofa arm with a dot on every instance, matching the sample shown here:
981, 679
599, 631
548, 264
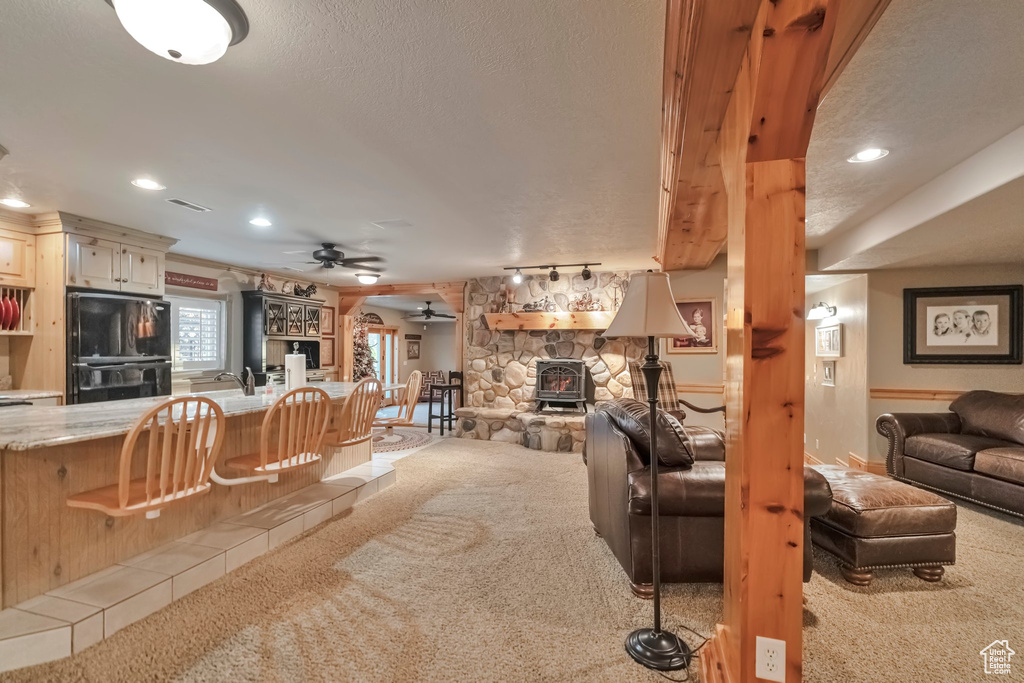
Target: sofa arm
898, 427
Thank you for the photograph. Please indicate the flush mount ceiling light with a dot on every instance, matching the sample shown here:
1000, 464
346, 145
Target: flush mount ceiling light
260, 222
184, 31
148, 184
820, 311
14, 203
866, 155
367, 278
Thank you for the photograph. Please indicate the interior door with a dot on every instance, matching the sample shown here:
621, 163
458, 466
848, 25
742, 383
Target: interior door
94, 263
142, 270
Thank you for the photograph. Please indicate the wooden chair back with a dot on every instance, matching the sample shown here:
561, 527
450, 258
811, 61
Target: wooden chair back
411, 397
296, 424
185, 437
354, 422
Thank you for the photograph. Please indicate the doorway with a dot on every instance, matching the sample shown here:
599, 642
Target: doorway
384, 349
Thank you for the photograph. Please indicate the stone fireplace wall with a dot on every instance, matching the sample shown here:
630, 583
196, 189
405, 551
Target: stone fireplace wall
500, 365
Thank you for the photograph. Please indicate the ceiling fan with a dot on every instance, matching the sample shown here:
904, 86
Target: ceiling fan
327, 256
429, 313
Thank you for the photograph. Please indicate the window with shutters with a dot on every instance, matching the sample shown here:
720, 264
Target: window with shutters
198, 333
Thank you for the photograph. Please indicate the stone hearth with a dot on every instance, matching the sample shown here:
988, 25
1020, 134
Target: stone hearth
500, 365
540, 432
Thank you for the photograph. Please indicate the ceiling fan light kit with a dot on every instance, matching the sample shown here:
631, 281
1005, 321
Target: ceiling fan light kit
184, 31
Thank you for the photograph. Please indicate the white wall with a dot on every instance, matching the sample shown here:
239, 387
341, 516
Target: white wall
437, 347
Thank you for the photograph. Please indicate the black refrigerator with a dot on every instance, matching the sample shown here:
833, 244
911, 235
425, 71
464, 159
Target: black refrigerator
119, 347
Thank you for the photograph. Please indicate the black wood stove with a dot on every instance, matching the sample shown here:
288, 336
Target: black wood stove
561, 381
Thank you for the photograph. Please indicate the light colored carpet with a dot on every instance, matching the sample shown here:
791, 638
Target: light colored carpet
481, 565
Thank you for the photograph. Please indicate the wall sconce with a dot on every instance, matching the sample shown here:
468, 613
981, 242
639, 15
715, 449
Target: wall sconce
820, 311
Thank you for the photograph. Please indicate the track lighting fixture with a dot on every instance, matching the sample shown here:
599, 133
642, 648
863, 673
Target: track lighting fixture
552, 269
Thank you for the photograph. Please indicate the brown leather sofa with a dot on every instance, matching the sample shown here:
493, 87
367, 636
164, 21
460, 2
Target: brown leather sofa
974, 452
691, 496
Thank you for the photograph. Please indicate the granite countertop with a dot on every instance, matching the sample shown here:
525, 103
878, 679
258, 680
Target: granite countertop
26, 427
27, 394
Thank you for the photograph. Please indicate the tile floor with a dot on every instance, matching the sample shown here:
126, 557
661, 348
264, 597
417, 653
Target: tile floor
73, 617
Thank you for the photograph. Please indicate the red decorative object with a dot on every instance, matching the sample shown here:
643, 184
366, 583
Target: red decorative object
190, 281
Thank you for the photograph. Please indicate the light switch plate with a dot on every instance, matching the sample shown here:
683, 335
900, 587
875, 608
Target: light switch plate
771, 659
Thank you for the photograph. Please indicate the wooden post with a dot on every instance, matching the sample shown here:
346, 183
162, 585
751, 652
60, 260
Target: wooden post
763, 141
346, 328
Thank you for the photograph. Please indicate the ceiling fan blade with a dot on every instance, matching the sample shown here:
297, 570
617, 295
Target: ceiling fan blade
444, 315
360, 259
359, 266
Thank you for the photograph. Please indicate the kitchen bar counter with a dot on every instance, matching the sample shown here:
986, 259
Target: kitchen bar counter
27, 394
48, 453
26, 427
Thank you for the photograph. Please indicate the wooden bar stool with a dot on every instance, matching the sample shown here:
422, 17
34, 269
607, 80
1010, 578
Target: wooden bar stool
184, 437
297, 422
353, 424
405, 411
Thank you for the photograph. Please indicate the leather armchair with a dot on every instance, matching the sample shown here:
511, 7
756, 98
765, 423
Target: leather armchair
692, 504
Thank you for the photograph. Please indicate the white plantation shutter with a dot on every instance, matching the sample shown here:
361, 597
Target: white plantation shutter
197, 333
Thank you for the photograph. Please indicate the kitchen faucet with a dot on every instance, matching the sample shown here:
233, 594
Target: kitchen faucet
247, 385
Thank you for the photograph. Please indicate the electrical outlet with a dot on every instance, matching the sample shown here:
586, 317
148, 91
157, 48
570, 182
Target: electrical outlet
771, 659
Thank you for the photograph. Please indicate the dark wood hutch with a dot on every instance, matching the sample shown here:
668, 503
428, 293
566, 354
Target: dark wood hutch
276, 324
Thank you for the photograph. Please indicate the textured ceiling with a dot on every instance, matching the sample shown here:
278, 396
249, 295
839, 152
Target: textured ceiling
409, 304
505, 131
934, 82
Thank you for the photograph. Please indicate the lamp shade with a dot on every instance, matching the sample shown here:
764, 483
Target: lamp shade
649, 310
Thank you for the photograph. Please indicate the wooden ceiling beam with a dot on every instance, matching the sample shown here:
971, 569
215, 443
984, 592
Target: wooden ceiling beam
705, 41
451, 292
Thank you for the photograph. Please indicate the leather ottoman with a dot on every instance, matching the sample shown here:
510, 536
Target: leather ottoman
880, 523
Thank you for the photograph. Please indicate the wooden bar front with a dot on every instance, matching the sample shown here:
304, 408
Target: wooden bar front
45, 544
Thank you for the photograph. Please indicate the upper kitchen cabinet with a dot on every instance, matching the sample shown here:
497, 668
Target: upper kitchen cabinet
17, 259
118, 261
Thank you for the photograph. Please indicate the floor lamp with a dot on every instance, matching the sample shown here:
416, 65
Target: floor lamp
649, 310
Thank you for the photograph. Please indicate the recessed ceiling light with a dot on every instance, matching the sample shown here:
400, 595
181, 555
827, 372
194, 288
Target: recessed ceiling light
260, 222
866, 155
14, 203
184, 31
367, 278
419, 308
148, 184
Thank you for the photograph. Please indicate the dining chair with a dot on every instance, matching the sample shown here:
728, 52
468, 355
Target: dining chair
353, 423
292, 434
173, 446
408, 405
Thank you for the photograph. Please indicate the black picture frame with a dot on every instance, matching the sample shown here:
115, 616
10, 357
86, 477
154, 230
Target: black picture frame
1014, 312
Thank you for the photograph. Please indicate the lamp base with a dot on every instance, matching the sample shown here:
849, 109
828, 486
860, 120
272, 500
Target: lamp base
662, 651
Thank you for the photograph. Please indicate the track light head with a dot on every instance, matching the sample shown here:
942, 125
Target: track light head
553, 275
518, 277
586, 274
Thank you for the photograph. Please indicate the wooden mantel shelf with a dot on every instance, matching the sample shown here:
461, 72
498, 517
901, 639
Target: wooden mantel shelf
543, 320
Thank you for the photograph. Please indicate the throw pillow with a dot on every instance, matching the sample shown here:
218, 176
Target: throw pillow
633, 418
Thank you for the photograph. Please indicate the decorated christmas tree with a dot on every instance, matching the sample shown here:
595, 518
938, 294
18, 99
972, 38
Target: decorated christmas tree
362, 358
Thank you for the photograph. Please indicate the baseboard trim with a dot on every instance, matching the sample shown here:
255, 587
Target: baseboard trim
811, 460
859, 463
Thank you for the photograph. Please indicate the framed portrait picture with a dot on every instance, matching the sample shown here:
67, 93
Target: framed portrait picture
326, 352
828, 373
954, 325
699, 314
413, 349
828, 341
327, 321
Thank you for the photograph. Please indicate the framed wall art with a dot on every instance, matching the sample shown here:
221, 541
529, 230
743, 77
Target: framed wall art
413, 349
828, 341
828, 373
699, 314
326, 352
969, 325
327, 321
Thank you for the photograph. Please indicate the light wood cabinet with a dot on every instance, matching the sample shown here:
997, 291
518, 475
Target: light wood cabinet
92, 262
142, 270
103, 264
17, 259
